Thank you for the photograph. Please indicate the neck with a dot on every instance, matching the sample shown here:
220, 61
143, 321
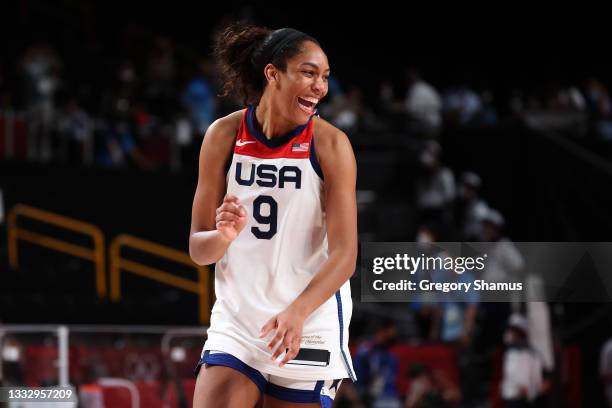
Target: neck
270, 120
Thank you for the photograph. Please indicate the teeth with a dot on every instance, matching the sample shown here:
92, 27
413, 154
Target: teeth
311, 100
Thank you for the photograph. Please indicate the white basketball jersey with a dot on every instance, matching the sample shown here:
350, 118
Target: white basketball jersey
276, 255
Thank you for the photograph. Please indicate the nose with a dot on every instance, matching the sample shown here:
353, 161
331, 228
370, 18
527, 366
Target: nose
319, 86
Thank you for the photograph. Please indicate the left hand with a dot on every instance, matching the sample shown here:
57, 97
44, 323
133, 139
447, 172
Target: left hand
288, 325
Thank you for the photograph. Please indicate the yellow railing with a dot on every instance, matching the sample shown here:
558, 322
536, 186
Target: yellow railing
199, 287
95, 255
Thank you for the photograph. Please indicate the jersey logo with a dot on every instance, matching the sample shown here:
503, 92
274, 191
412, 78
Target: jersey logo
299, 147
243, 142
268, 175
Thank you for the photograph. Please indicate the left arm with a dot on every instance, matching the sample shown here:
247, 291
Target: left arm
340, 171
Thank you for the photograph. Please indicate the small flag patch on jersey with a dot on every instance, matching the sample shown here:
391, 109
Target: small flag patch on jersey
299, 147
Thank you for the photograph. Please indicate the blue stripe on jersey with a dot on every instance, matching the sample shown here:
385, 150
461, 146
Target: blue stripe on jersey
326, 401
340, 319
318, 386
313, 159
276, 141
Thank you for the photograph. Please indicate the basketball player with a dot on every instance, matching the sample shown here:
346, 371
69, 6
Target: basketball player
275, 210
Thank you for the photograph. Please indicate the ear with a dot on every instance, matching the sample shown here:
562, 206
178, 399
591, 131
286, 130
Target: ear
271, 73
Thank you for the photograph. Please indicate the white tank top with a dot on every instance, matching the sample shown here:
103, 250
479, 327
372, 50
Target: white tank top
276, 255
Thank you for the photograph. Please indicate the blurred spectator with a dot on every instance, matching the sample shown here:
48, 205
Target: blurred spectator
461, 106
562, 109
455, 320
471, 209
435, 186
377, 368
430, 389
161, 92
540, 327
41, 68
12, 361
153, 137
598, 98
76, 133
334, 100
452, 314
448, 317
336, 107
126, 125
127, 79
504, 262
605, 370
488, 114
567, 99
386, 95
117, 99
422, 104
522, 368
346, 110
517, 103
199, 99
119, 148
349, 112
600, 107
424, 304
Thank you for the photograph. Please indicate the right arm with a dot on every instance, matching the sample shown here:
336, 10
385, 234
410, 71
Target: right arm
216, 219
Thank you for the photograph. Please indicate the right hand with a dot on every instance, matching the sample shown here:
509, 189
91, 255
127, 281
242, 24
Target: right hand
231, 217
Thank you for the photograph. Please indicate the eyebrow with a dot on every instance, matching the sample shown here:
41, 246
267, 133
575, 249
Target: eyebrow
312, 64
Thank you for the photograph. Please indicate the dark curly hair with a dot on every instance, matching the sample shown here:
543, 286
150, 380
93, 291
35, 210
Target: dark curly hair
239, 50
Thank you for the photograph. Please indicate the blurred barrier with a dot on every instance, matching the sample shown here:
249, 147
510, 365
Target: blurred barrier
71, 355
118, 263
96, 255
122, 383
62, 346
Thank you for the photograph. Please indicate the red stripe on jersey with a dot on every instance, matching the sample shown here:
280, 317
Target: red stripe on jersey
248, 144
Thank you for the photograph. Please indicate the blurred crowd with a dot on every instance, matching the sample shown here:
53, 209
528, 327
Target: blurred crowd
145, 105
141, 113
451, 209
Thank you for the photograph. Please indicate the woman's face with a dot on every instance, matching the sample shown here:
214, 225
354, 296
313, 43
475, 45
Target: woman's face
299, 89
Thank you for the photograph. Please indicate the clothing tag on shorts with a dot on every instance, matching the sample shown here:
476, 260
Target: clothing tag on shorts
311, 357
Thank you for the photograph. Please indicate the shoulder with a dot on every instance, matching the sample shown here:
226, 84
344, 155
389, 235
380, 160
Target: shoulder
325, 132
219, 140
223, 130
334, 152
329, 138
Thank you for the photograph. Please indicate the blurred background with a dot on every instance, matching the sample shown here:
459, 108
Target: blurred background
463, 131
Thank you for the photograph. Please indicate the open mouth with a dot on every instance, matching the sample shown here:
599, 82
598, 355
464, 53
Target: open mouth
306, 105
